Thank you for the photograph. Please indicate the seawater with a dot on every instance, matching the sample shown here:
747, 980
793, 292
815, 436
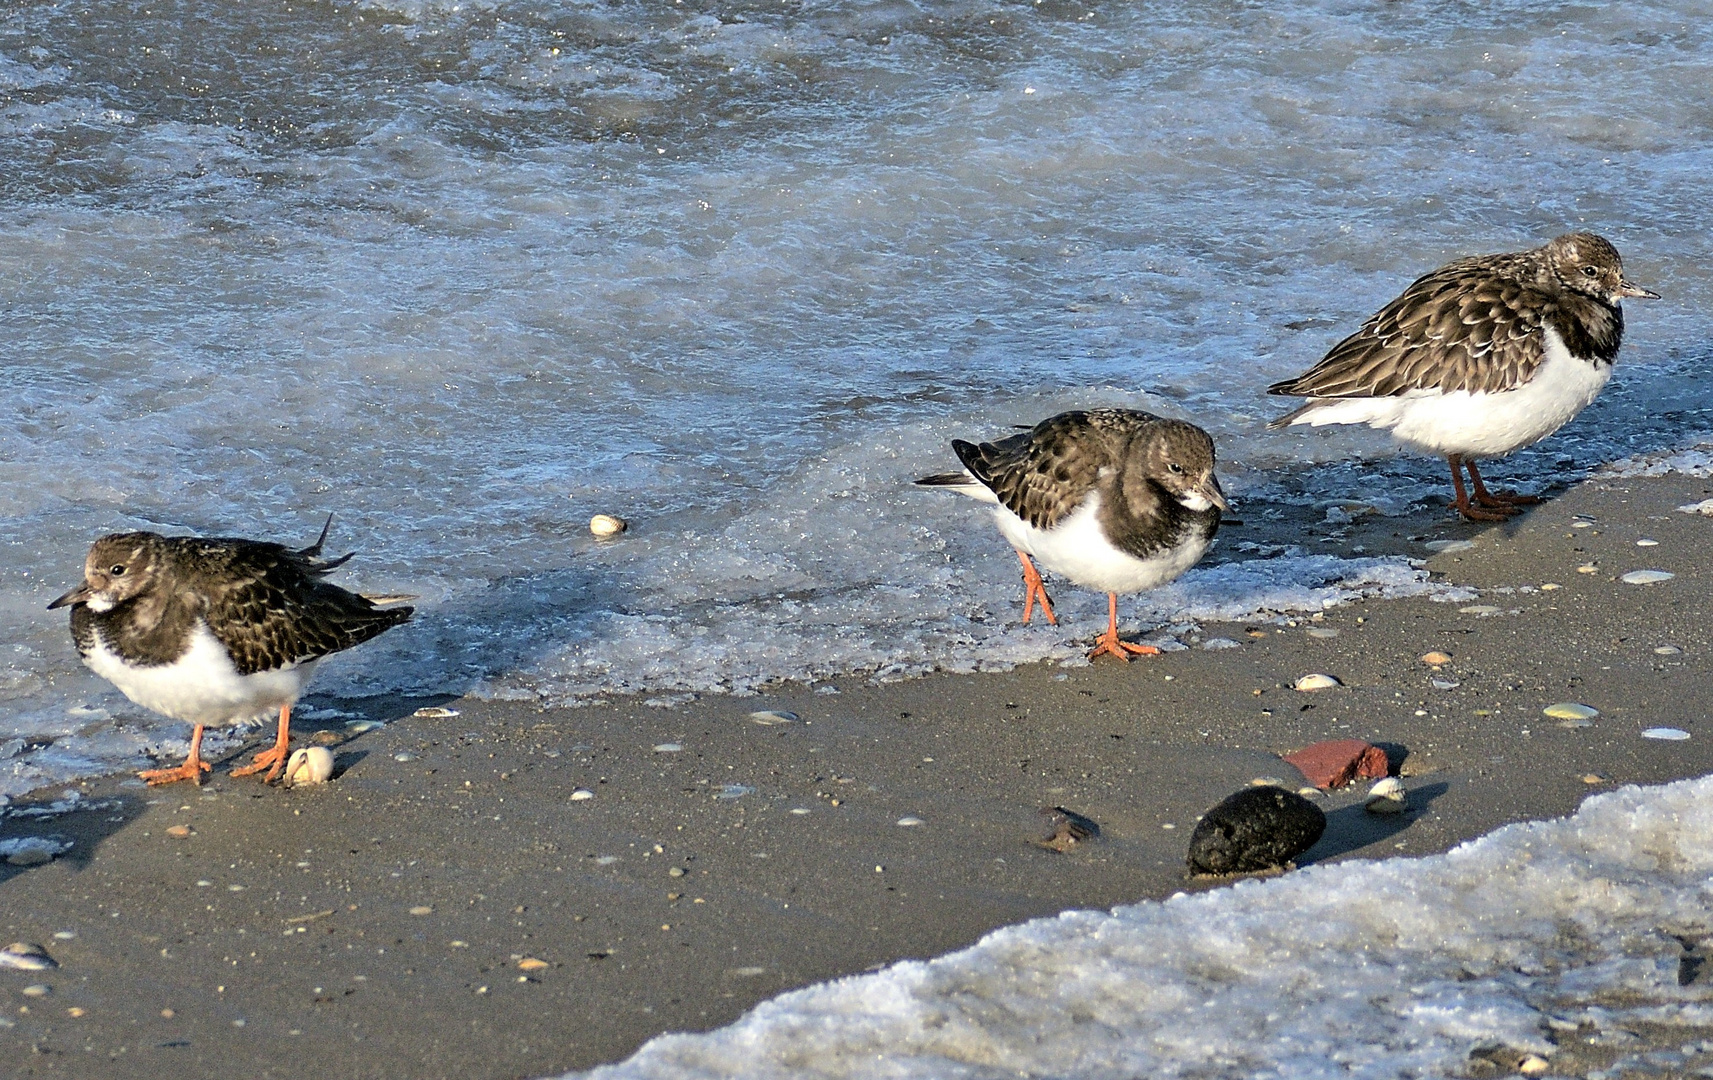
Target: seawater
464, 274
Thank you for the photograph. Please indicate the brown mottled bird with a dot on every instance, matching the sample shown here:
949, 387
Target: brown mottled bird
1115, 499
1481, 357
215, 631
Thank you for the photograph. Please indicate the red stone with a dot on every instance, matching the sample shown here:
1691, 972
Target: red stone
1334, 764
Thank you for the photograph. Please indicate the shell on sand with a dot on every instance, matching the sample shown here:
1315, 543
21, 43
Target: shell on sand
1316, 681
1571, 710
1069, 829
607, 525
23, 956
1386, 797
310, 765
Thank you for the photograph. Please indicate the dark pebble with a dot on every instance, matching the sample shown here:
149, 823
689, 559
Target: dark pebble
1259, 828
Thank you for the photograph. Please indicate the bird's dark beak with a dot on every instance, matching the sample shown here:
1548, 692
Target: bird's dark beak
1626, 287
1213, 493
75, 596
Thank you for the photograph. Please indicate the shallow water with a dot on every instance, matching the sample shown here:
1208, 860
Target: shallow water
466, 274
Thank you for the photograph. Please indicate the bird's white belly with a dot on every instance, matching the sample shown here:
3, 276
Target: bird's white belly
202, 686
1479, 425
1076, 548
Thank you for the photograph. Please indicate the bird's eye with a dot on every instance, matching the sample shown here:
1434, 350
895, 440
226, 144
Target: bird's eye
1175, 467
116, 569
1591, 271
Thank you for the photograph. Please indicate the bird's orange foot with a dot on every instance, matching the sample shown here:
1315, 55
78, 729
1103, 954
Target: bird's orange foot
1110, 644
274, 755
1035, 590
191, 770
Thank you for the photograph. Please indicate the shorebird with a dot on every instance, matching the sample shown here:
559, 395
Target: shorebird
215, 631
1114, 499
1481, 357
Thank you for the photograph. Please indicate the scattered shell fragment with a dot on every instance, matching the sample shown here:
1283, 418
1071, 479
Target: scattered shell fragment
1069, 829
37, 990
728, 792
434, 712
668, 747
909, 820
404, 755
1386, 797
23, 956
676, 871
1588, 568
1645, 542
1646, 577
607, 525
1442, 547
1667, 650
1321, 632
1593, 778
1315, 681
1582, 524
179, 830
310, 765
1478, 609
1444, 684
1570, 710
1436, 658
1705, 506
530, 963
773, 717
1551, 586
1669, 734
1533, 1065
1266, 781
422, 909
581, 794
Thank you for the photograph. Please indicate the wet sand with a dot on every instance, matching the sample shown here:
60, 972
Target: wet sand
374, 926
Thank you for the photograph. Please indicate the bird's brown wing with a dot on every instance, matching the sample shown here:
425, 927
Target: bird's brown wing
1044, 474
270, 607
1462, 327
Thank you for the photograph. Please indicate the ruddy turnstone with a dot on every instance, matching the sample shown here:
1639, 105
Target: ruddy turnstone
1115, 499
1479, 358
215, 631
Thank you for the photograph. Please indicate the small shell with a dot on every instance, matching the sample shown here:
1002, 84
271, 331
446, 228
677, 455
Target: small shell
1315, 681
1436, 658
23, 956
1645, 542
581, 794
607, 525
1588, 568
1323, 632
434, 712
1533, 1065
1570, 710
530, 963
1478, 609
1667, 650
1669, 734
668, 747
1646, 577
908, 821
773, 717
1444, 684
1386, 797
311, 765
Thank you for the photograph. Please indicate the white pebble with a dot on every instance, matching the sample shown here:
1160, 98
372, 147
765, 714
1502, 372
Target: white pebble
310, 765
1315, 681
1646, 577
607, 525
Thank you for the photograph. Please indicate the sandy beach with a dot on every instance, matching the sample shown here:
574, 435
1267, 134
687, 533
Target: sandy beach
384, 925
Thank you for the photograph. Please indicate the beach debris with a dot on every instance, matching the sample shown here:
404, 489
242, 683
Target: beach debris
404, 756
24, 956
1444, 684
773, 717
1337, 762
1570, 710
1646, 577
1667, 650
422, 909
1266, 781
434, 712
1322, 632
1479, 609
1214, 644
33, 850
1068, 829
1315, 681
1386, 797
1574, 723
1645, 542
1669, 734
1592, 778
1257, 829
1705, 506
728, 792
530, 963
676, 871
581, 794
37, 990
604, 525
1436, 658
1442, 547
1551, 586
668, 747
180, 831
909, 820
1510, 1060
310, 765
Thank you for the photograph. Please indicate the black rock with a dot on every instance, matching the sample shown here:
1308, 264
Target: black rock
1259, 828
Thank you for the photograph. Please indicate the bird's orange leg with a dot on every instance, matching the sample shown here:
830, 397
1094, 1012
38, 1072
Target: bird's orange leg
1034, 590
1108, 644
1503, 499
1469, 511
274, 755
192, 769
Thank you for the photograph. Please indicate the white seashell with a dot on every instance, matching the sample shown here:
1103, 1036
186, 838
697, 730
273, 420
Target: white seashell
582, 794
1386, 797
311, 765
1705, 506
404, 755
1582, 524
1667, 650
1670, 734
434, 712
23, 956
773, 717
668, 747
1478, 609
1322, 632
1646, 577
1444, 684
607, 525
1570, 710
1645, 542
37, 990
1533, 1065
1315, 681
733, 791
1266, 781
910, 821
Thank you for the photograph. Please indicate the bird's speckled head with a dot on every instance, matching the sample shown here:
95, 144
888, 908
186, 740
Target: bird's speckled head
1179, 456
1589, 264
120, 567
